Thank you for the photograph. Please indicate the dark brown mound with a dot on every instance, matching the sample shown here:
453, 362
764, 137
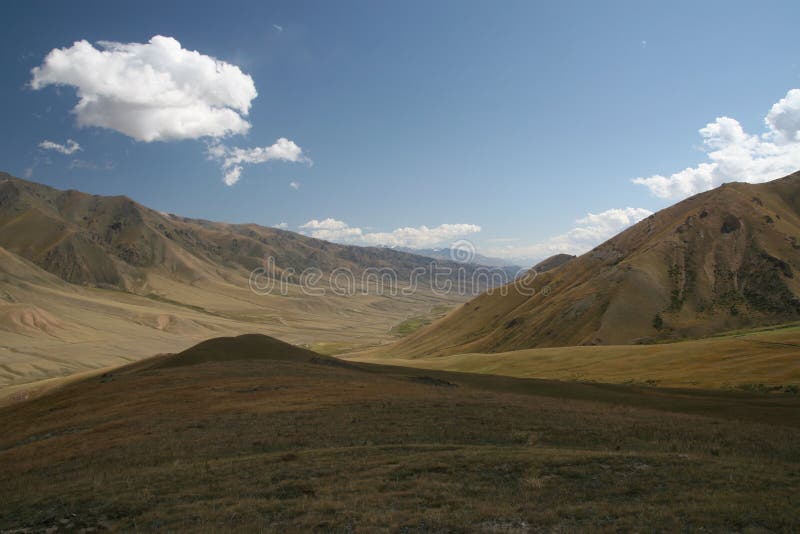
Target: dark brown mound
244, 347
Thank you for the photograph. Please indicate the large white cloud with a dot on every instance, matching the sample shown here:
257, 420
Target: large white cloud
232, 158
414, 237
154, 91
735, 155
589, 232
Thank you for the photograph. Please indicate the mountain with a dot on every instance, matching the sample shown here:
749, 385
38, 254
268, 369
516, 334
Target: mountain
450, 254
724, 259
88, 281
114, 242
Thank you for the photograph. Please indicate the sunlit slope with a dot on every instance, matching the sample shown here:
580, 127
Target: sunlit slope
718, 261
768, 357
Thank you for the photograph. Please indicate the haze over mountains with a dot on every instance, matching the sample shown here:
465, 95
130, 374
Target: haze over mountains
720, 260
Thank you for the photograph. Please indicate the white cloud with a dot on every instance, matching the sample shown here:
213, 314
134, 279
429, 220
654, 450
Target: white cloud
414, 237
589, 232
232, 158
232, 175
735, 155
282, 225
294, 185
154, 91
70, 147
784, 118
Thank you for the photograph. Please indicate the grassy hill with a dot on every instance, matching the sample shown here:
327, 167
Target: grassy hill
764, 359
246, 434
718, 261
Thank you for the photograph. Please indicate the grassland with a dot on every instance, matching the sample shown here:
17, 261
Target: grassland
253, 438
763, 358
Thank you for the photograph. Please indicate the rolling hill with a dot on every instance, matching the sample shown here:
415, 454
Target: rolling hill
89, 281
718, 261
248, 433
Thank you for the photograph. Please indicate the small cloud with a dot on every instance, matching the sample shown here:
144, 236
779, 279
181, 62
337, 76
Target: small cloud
644, 44
232, 175
28, 172
587, 233
70, 147
414, 237
278, 28
294, 185
232, 158
282, 225
91, 165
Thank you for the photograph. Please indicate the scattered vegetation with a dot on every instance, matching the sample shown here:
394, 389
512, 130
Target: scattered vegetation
413, 324
658, 322
261, 444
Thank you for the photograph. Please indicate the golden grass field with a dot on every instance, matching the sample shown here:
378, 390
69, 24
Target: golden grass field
767, 356
248, 434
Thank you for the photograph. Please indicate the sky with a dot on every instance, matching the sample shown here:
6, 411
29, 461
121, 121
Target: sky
525, 128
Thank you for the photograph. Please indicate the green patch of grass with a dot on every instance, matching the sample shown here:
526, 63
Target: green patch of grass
411, 325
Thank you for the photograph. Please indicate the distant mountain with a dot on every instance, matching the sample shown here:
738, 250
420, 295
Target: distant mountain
114, 242
720, 260
448, 254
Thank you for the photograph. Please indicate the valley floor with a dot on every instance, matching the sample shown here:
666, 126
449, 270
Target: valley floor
250, 440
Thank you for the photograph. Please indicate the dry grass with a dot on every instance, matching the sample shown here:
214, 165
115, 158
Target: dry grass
743, 359
258, 443
53, 329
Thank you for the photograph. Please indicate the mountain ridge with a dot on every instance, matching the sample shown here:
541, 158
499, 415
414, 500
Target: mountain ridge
716, 261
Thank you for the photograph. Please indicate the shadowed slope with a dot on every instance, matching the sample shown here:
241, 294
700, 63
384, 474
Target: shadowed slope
249, 434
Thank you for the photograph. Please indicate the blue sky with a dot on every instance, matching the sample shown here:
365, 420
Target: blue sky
527, 119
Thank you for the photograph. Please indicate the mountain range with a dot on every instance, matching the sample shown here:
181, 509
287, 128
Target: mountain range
89, 281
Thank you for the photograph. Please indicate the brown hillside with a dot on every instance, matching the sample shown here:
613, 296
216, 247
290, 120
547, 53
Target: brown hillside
278, 440
116, 242
724, 259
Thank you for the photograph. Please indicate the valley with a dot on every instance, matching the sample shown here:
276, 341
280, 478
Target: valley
399, 267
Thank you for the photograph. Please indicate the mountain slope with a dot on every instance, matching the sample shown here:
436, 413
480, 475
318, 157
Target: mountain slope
116, 242
723, 259
89, 281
